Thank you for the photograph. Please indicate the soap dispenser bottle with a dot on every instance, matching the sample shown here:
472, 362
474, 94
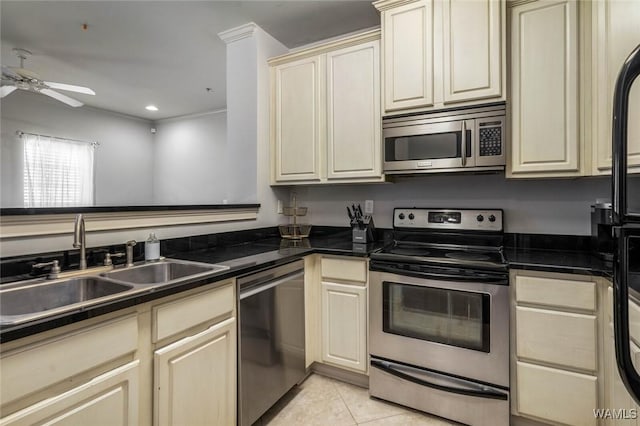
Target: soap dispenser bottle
152, 248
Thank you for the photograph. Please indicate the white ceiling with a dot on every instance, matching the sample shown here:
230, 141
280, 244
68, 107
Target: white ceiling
165, 53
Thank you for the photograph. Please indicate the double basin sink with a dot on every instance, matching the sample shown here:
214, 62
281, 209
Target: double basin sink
28, 300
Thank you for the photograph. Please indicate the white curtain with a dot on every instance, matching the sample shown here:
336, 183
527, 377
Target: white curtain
57, 172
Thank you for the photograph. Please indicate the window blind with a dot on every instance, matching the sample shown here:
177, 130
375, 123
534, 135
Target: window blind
57, 172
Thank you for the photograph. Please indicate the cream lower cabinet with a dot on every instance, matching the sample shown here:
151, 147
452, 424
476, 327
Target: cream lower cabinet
195, 378
344, 325
170, 361
110, 399
194, 364
336, 312
325, 113
623, 410
556, 370
615, 34
442, 53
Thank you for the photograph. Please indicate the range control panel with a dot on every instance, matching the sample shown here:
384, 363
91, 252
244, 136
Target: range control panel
462, 219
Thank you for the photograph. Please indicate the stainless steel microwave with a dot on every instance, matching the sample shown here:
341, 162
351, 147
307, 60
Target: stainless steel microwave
459, 140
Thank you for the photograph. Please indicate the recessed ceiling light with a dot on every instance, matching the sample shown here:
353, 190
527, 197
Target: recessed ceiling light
151, 107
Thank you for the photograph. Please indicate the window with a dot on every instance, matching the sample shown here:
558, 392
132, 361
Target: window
57, 172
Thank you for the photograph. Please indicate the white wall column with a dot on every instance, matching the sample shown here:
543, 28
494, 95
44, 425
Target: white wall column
248, 48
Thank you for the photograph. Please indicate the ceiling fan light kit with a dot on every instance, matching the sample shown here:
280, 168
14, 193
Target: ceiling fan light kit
21, 78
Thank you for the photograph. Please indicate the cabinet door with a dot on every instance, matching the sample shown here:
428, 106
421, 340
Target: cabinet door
297, 119
353, 112
544, 89
472, 48
615, 34
110, 399
344, 325
195, 379
407, 34
556, 395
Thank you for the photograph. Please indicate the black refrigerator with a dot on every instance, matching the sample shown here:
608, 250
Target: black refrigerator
626, 223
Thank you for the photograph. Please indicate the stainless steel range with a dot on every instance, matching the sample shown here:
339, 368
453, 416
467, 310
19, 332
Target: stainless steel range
439, 315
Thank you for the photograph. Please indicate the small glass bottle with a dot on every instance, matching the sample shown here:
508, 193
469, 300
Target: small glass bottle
152, 248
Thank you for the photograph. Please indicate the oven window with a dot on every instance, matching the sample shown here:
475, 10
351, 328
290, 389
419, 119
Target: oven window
452, 317
423, 147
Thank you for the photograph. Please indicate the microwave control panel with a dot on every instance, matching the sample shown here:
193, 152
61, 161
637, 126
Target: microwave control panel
490, 139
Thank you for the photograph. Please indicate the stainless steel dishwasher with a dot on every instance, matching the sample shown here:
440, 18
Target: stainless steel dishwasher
271, 355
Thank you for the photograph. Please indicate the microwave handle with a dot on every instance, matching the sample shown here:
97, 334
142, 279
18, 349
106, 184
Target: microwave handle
463, 145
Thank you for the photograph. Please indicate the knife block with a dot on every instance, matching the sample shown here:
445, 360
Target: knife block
364, 235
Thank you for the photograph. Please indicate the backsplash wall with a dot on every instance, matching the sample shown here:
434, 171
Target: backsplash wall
550, 206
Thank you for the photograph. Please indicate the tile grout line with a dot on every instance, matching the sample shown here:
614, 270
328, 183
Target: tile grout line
345, 403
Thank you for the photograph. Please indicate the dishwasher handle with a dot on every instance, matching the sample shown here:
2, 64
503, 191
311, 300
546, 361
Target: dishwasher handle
259, 288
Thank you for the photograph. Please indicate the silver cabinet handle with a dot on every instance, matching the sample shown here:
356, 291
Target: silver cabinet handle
463, 147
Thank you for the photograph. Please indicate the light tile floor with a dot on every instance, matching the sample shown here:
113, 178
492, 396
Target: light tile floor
323, 401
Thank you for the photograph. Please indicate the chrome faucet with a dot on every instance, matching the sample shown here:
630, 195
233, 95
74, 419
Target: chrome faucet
79, 239
129, 248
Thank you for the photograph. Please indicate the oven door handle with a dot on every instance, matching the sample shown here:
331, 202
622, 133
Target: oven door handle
464, 387
499, 278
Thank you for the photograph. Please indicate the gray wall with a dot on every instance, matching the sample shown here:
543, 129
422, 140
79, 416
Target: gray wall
558, 206
124, 164
190, 160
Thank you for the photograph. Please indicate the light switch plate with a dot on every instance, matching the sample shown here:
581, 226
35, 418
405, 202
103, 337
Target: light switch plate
368, 207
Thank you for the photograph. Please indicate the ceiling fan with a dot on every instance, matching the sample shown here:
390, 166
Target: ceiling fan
21, 78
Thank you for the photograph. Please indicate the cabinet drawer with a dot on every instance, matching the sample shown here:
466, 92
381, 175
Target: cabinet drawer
35, 367
344, 269
562, 338
556, 292
177, 316
556, 395
109, 399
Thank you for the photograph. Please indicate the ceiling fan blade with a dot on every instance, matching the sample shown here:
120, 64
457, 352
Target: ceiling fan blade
10, 73
62, 98
5, 90
70, 87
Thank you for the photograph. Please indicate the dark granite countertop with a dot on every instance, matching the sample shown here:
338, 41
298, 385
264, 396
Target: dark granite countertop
243, 259
562, 261
261, 249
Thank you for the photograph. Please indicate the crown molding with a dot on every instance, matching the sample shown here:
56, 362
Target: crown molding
238, 33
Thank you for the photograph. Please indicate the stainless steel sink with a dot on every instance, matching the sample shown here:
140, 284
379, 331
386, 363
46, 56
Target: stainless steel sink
26, 301
163, 272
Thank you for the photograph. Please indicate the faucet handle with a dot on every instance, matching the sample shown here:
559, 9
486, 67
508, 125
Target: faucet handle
55, 268
108, 256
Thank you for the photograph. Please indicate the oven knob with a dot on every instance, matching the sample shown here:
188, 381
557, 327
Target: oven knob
480, 218
401, 216
492, 218
411, 216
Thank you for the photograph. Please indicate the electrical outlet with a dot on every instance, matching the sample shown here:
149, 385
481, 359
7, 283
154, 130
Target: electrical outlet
279, 211
368, 207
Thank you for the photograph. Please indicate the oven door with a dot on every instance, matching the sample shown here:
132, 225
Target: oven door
457, 328
418, 147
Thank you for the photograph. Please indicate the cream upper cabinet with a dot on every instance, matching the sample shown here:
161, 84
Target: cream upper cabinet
325, 113
473, 37
442, 53
616, 32
297, 119
545, 99
408, 55
354, 144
